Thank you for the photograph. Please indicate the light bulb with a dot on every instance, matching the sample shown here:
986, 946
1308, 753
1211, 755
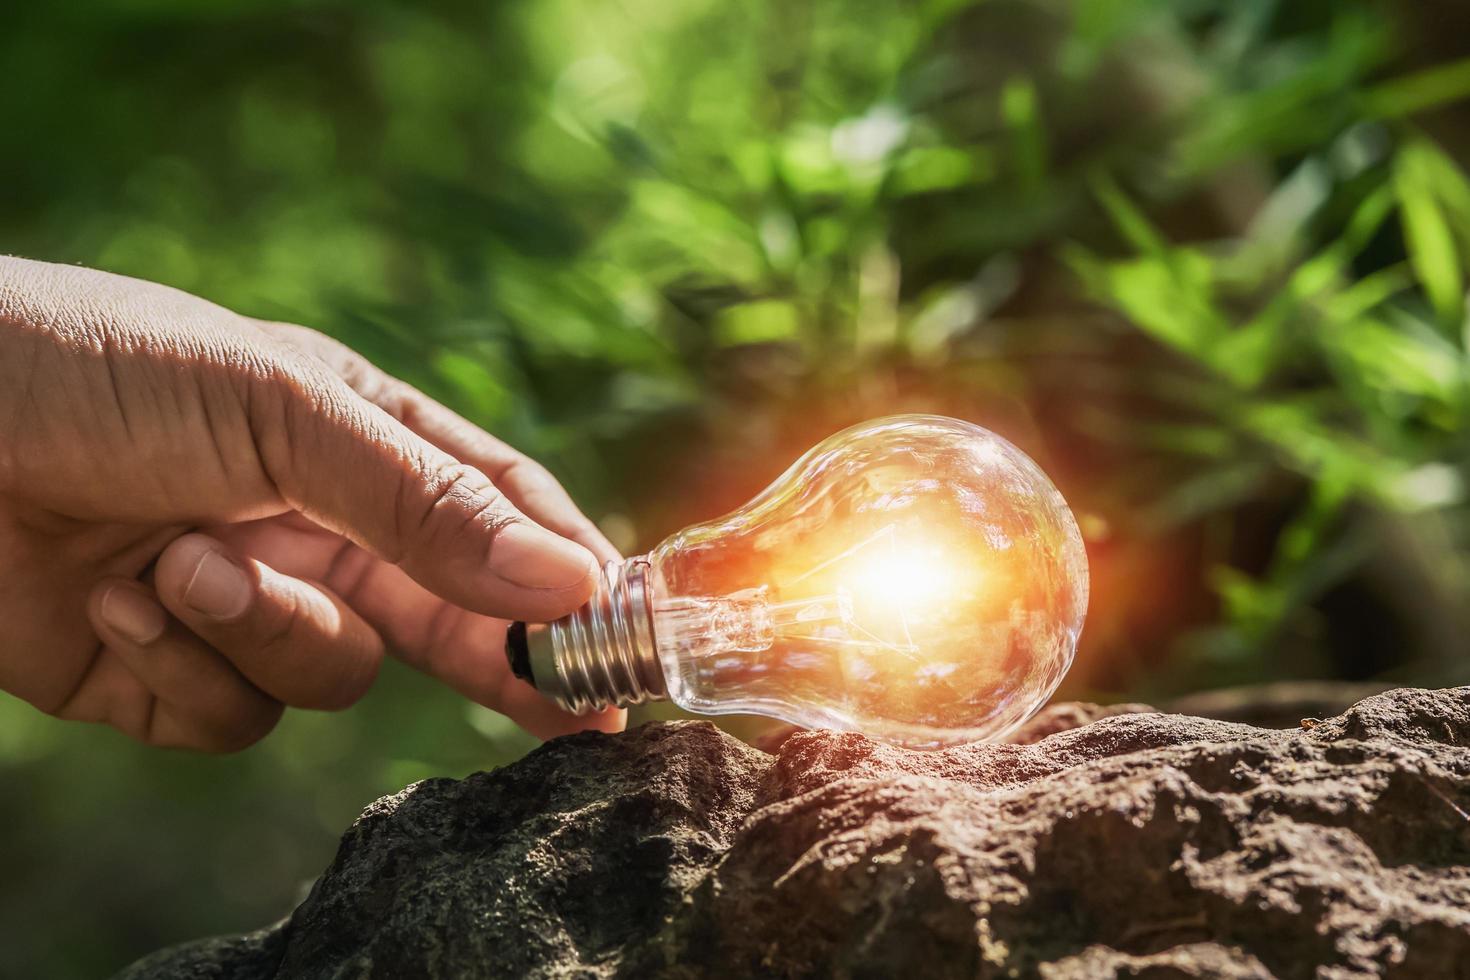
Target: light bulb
915, 578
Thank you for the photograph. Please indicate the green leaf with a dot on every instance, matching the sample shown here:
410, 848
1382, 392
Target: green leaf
1422, 90
1368, 293
1431, 243
481, 394
1306, 100
1391, 360
761, 322
1306, 445
1171, 302
1021, 110
1127, 217
924, 169
1224, 487
1450, 186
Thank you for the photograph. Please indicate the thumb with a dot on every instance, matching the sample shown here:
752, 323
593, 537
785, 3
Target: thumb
351, 467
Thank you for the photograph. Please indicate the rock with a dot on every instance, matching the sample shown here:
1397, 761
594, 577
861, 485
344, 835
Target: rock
1068, 715
1140, 844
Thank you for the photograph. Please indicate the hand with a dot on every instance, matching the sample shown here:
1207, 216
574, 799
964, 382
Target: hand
204, 518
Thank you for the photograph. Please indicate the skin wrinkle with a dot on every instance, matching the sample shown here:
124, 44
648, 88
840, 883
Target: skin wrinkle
65, 706
246, 719
442, 631
348, 571
213, 424
224, 425
110, 707
290, 630
271, 433
440, 625
486, 512
26, 405
314, 398
130, 559
150, 720
398, 510
275, 640
355, 674
450, 486
495, 529
26, 408
115, 387
187, 416
389, 394
408, 406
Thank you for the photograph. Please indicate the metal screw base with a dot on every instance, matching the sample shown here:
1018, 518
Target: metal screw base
601, 655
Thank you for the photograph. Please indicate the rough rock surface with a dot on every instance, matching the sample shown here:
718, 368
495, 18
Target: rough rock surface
1139, 844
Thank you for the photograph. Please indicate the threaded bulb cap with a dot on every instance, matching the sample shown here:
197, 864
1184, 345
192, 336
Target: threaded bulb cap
602, 655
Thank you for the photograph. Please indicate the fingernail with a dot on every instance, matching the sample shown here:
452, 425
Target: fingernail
534, 558
136, 616
219, 588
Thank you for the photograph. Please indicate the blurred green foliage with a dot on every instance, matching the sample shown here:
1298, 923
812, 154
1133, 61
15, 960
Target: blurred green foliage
1206, 260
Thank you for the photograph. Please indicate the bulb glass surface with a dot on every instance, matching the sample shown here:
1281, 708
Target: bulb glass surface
916, 578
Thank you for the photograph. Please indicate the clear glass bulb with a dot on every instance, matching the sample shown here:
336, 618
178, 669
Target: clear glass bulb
915, 578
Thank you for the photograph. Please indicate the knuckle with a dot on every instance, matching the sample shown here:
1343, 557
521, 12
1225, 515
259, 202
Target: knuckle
311, 393
442, 632
454, 496
293, 334
318, 352
258, 366
306, 660
391, 395
350, 572
532, 479
295, 402
276, 632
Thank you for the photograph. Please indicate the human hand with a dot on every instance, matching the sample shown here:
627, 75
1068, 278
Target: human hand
205, 518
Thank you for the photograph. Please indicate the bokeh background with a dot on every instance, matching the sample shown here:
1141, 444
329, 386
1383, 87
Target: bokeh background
1205, 260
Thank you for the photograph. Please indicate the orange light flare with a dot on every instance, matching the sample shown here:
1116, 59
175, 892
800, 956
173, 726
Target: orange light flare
897, 604
912, 580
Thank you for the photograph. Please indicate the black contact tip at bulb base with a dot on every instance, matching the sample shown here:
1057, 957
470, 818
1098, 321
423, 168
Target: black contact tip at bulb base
518, 652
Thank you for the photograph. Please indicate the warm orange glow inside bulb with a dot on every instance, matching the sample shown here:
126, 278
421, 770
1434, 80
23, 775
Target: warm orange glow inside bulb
907, 581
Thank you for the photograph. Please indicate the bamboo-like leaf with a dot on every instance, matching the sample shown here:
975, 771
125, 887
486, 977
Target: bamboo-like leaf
1130, 221
1020, 108
1432, 250
1422, 90
1172, 301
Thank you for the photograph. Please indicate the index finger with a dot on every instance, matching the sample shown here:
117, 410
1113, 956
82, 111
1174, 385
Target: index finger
527, 484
